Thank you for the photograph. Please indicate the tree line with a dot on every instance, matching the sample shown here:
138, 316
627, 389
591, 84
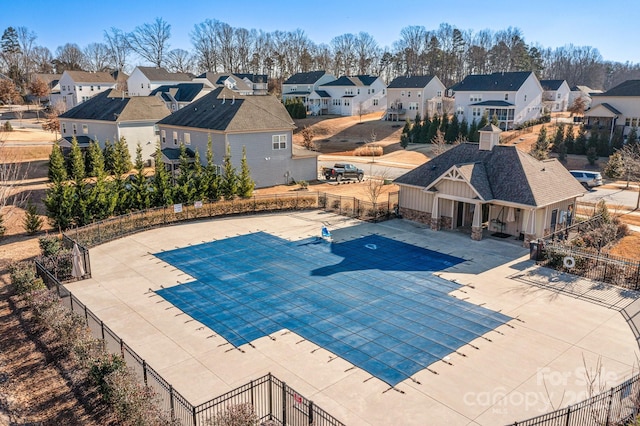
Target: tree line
447, 52
91, 186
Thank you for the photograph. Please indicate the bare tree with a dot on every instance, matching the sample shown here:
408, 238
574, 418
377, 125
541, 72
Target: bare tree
42, 60
631, 163
12, 174
439, 143
52, 122
205, 44
151, 41
69, 58
8, 92
344, 54
307, 134
118, 48
578, 106
97, 57
179, 60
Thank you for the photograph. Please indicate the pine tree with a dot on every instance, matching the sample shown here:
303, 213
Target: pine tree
184, 189
558, 137
211, 176
484, 120
405, 136
453, 130
561, 149
614, 168
122, 158
109, 154
592, 155
415, 129
32, 221
617, 141
603, 148
580, 145
139, 192
245, 183
162, 194
593, 141
473, 135
102, 198
229, 184
444, 124
76, 162
198, 178
57, 167
540, 149
569, 140
464, 128
95, 160
60, 203
632, 137
494, 120
433, 128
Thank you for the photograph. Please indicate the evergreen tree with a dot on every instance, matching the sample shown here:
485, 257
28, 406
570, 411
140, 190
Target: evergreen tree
32, 221
593, 141
109, 154
198, 178
615, 168
473, 134
561, 149
569, 140
76, 162
580, 144
229, 184
405, 136
184, 188
464, 128
484, 120
453, 130
494, 120
632, 137
245, 183
122, 158
415, 129
60, 200
617, 141
540, 149
444, 124
139, 192
95, 160
603, 148
211, 179
592, 155
433, 127
102, 199
57, 167
162, 193
558, 137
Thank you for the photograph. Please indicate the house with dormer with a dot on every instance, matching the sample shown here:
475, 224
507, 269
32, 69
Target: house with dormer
301, 85
355, 95
556, 95
489, 189
617, 108
77, 87
112, 115
180, 95
512, 97
408, 96
144, 80
261, 124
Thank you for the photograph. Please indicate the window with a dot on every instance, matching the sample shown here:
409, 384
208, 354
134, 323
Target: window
419, 94
383, 91
187, 138
627, 122
85, 129
279, 141
506, 96
634, 122
92, 88
525, 98
175, 138
375, 102
64, 87
173, 107
413, 106
80, 88
475, 98
409, 94
476, 112
164, 136
358, 91
558, 97
347, 102
336, 102
74, 128
402, 93
64, 128
373, 90
142, 85
439, 93
98, 88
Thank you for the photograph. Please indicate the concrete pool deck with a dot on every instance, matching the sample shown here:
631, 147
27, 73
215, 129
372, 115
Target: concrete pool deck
531, 365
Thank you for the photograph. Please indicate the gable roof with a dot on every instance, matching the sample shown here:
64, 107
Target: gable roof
496, 82
410, 82
254, 78
609, 111
551, 84
110, 105
305, 77
358, 80
181, 92
505, 173
225, 110
160, 74
627, 88
90, 77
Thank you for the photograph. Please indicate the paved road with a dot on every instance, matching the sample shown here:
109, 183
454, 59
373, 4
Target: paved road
378, 168
613, 197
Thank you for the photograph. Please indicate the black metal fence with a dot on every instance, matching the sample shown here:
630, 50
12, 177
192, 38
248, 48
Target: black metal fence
618, 406
117, 227
270, 398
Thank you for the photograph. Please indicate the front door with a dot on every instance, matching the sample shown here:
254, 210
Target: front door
459, 214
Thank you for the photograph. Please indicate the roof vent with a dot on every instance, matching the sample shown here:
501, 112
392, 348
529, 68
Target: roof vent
195, 108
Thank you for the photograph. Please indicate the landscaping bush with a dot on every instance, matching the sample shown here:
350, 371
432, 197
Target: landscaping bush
23, 276
50, 245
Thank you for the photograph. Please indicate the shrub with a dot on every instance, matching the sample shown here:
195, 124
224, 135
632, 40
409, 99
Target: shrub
369, 151
102, 367
235, 415
32, 221
50, 245
23, 276
7, 126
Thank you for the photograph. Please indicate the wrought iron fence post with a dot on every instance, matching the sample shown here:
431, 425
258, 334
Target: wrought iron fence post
144, 371
609, 407
173, 413
193, 416
102, 331
270, 396
284, 403
310, 413
568, 415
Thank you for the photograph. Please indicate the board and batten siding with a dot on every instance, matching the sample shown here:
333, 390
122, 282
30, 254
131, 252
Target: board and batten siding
456, 188
413, 198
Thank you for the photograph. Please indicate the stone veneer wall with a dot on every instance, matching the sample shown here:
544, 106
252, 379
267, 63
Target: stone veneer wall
415, 215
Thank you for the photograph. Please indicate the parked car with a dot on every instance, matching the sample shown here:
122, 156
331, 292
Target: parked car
341, 171
587, 178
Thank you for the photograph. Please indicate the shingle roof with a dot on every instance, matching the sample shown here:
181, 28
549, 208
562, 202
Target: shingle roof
112, 106
496, 82
183, 92
254, 78
551, 84
511, 175
83, 140
410, 82
358, 80
494, 103
627, 88
323, 93
298, 92
305, 77
174, 153
225, 110
160, 74
90, 77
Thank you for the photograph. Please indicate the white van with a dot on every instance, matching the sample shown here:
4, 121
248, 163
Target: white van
587, 178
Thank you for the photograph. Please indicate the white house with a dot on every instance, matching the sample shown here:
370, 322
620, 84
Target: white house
180, 95
408, 96
556, 95
261, 124
514, 97
244, 84
301, 85
79, 86
144, 80
583, 92
110, 116
618, 107
361, 94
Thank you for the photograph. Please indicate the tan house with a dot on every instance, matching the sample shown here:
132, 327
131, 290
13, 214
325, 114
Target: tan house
618, 107
408, 96
492, 189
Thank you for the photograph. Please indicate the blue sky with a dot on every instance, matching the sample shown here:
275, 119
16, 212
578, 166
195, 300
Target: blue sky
607, 26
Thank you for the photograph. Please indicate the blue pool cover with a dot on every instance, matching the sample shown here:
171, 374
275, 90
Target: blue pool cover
373, 301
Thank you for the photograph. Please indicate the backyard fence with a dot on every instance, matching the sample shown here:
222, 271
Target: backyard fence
618, 406
117, 227
270, 398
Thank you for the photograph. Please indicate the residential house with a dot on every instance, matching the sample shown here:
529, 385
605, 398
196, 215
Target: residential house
618, 107
488, 188
244, 84
583, 92
112, 115
259, 123
360, 94
144, 80
408, 96
52, 81
300, 86
556, 95
180, 95
512, 97
79, 86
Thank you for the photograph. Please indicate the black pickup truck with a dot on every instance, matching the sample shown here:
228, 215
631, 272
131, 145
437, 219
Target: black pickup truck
341, 171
